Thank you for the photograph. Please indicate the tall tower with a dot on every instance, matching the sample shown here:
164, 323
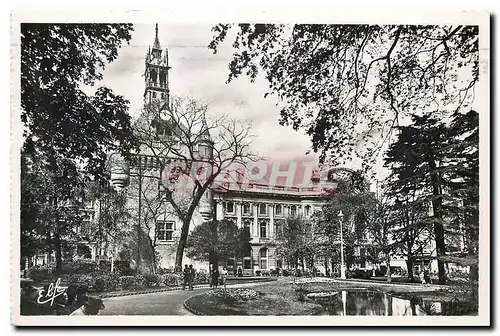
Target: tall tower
156, 73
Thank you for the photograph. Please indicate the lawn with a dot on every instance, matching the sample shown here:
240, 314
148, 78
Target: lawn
276, 298
280, 298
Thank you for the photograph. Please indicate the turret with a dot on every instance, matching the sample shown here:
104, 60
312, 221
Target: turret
205, 151
119, 171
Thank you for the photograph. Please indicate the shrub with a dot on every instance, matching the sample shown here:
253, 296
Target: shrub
81, 266
301, 293
162, 270
298, 273
122, 267
108, 282
359, 274
140, 281
286, 272
274, 272
161, 279
82, 279
265, 273
39, 273
257, 273
173, 279
201, 277
233, 294
99, 284
306, 273
151, 280
127, 282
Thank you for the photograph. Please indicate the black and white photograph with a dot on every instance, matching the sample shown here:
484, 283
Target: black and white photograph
169, 170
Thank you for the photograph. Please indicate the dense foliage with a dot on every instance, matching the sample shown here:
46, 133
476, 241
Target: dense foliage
218, 241
67, 133
435, 169
348, 85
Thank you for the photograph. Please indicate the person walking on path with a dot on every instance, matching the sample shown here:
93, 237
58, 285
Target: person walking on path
192, 274
185, 277
427, 276
224, 277
422, 276
215, 277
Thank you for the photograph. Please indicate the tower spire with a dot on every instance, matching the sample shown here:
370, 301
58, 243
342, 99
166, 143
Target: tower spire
156, 72
156, 44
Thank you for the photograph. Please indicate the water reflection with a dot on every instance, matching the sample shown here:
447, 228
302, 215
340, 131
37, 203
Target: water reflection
363, 302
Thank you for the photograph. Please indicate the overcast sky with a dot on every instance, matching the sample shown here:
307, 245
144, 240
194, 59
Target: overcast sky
198, 73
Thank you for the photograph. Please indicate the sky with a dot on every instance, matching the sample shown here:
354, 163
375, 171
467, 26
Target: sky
198, 73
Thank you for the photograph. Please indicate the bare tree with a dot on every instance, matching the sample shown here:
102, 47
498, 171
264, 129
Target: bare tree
185, 152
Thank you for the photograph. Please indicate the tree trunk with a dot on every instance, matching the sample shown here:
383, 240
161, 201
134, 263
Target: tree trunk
440, 248
181, 246
438, 224
388, 269
58, 249
409, 266
153, 249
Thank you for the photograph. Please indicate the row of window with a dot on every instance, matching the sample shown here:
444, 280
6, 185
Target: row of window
164, 230
262, 209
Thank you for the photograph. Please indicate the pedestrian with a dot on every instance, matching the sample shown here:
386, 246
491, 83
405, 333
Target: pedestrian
185, 277
210, 271
215, 277
240, 272
422, 276
427, 276
224, 276
192, 274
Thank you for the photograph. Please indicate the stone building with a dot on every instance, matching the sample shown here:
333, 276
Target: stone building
261, 204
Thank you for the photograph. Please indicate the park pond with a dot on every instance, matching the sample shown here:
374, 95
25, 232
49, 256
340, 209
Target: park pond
365, 302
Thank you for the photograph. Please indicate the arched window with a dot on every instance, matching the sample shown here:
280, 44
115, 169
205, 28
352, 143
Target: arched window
230, 207
263, 258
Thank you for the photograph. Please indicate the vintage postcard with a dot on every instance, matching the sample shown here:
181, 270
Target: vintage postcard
249, 168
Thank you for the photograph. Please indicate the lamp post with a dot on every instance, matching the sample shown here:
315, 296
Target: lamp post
342, 267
